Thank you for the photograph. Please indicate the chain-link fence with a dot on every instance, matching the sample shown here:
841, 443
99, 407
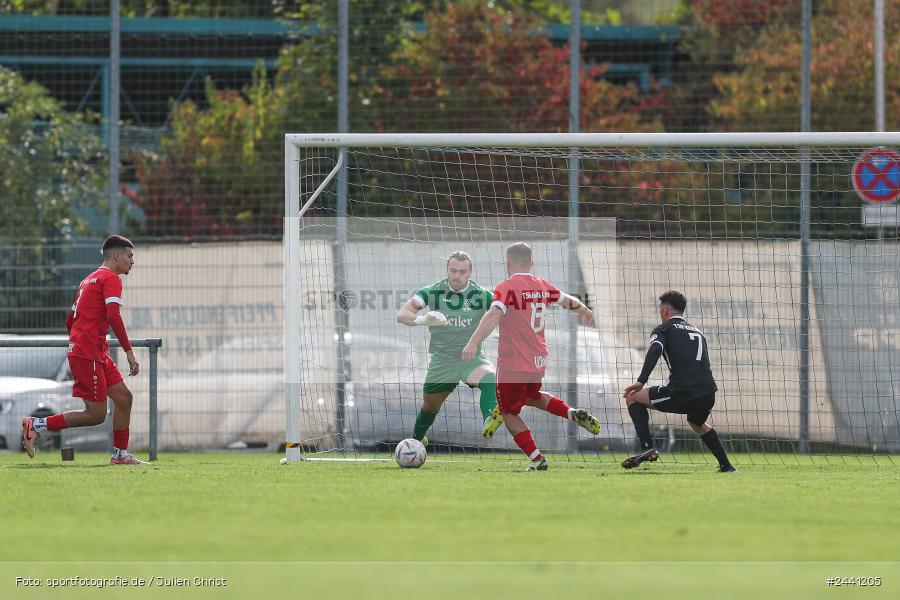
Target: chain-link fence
207, 90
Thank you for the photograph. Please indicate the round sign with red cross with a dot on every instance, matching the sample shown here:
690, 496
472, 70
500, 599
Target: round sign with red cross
876, 176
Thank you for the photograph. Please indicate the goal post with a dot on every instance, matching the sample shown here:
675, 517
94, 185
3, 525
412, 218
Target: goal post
797, 299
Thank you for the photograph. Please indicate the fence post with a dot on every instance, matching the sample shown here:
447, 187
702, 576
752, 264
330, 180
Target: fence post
805, 125
153, 345
879, 65
115, 90
574, 280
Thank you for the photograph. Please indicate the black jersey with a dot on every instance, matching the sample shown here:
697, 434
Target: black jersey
685, 351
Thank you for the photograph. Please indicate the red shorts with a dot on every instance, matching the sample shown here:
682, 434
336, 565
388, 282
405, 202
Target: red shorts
93, 377
515, 389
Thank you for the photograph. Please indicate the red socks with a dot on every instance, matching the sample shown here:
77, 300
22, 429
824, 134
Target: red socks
120, 439
56, 422
526, 443
558, 407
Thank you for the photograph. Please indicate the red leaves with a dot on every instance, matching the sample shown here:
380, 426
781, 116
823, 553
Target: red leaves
733, 14
483, 69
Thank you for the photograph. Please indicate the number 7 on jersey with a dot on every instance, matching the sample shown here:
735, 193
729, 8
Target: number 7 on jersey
699, 338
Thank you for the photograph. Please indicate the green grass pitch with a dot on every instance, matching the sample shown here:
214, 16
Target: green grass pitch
452, 529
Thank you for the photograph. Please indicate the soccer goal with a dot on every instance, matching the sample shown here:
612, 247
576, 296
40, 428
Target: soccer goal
788, 274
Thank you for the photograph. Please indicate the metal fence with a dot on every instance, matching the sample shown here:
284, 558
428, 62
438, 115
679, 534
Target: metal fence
152, 344
204, 92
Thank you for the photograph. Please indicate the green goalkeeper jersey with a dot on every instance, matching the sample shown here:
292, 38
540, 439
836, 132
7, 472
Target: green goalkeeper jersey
463, 309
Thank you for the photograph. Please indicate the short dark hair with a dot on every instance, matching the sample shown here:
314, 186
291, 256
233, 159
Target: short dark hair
519, 252
114, 242
460, 256
674, 299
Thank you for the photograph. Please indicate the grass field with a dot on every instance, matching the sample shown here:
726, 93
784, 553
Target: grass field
450, 529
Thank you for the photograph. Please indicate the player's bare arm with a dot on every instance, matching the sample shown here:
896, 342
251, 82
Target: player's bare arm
120, 262
573, 304
487, 325
631, 393
654, 352
133, 366
633, 389
409, 316
116, 323
408, 312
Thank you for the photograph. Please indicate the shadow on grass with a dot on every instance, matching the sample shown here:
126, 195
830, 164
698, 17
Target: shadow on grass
54, 466
631, 473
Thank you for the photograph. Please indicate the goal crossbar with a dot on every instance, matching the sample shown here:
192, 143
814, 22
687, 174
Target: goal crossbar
566, 140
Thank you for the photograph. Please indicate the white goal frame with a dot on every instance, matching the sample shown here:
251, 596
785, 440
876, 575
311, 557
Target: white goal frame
294, 212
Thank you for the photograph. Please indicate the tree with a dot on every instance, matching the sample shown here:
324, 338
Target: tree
215, 173
306, 92
52, 167
52, 164
485, 68
219, 170
478, 67
714, 31
763, 92
152, 8
470, 55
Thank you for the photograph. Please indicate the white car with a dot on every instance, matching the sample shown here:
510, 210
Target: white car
35, 382
229, 397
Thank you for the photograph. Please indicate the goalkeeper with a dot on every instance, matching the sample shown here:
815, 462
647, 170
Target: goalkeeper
457, 305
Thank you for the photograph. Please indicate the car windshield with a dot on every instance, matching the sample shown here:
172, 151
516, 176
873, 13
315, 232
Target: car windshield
42, 363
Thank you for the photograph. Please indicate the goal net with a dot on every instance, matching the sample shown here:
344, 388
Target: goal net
791, 278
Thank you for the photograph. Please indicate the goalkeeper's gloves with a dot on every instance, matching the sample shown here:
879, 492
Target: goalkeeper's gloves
433, 318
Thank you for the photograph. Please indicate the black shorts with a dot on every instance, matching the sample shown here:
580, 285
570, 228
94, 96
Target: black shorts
697, 409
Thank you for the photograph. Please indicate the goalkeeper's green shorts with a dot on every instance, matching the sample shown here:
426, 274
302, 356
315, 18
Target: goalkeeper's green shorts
445, 373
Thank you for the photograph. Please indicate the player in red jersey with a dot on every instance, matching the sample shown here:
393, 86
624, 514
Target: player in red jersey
519, 305
96, 376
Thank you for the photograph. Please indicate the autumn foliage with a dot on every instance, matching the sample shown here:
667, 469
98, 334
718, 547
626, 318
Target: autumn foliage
748, 15
489, 67
763, 91
481, 69
216, 173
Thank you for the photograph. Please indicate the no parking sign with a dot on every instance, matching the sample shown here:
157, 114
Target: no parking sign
876, 178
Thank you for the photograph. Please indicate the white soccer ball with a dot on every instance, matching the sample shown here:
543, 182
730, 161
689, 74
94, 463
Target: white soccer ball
410, 454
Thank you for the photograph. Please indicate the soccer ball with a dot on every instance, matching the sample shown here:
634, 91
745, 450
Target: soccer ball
410, 454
